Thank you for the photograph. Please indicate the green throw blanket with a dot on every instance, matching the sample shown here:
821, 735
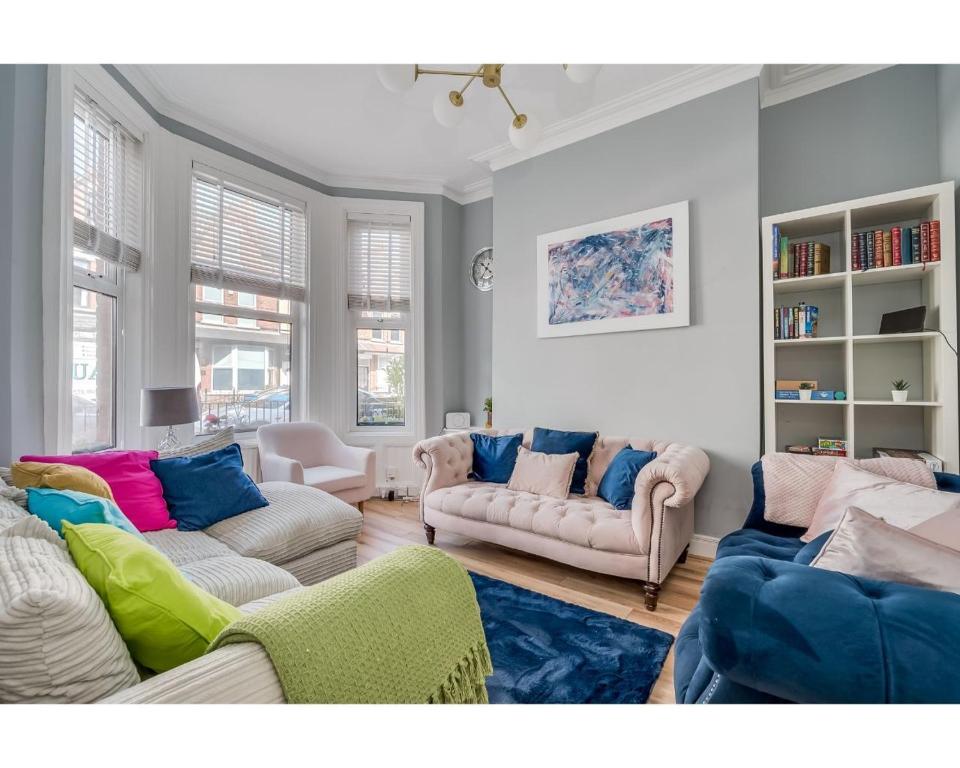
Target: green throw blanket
403, 629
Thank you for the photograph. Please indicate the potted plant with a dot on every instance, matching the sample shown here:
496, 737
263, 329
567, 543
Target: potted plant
806, 390
488, 409
900, 391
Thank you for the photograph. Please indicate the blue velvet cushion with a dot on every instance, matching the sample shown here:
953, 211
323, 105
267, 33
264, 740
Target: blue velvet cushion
616, 487
810, 551
55, 506
205, 489
559, 441
494, 457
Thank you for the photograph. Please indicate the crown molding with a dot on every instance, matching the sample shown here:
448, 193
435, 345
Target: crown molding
690, 84
476, 190
783, 82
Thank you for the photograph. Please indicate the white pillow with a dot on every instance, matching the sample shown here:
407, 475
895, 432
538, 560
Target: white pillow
864, 545
548, 474
900, 504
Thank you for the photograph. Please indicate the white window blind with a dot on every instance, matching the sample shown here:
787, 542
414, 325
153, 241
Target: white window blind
246, 241
107, 185
378, 263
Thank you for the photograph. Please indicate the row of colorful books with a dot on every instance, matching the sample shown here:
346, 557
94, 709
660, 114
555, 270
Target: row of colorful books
800, 322
798, 259
826, 446
897, 246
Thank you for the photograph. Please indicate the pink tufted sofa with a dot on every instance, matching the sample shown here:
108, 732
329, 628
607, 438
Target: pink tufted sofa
640, 543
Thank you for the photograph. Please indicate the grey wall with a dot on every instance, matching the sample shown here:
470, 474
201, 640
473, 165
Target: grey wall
476, 311
23, 90
948, 91
871, 135
697, 384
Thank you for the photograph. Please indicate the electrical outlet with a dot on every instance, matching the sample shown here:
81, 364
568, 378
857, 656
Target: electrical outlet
391, 473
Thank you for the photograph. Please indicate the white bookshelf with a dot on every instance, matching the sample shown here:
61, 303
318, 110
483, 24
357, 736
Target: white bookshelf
848, 353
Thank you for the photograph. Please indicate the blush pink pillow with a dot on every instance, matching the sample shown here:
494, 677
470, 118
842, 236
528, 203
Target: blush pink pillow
136, 489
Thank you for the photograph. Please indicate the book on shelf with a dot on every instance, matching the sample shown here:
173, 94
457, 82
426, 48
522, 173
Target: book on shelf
895, 247
787, 394
799, 259
795, 383
800, 322
929, 459
776, 251
831, 444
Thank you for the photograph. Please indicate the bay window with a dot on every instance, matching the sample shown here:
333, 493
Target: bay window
248, 269
107, 211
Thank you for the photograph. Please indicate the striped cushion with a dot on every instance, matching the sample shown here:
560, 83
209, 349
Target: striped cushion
8, 491
57, 642
238, 580
219, 440
298, 520
321, 565
182, 547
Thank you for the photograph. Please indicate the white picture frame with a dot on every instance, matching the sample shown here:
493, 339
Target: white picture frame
677, 261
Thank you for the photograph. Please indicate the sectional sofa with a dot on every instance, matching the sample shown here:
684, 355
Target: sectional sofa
304, 536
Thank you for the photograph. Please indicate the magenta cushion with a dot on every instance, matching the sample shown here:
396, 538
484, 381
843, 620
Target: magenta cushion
136, 489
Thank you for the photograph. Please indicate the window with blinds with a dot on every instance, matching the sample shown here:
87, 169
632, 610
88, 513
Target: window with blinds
107, 186
246, 241
378, 263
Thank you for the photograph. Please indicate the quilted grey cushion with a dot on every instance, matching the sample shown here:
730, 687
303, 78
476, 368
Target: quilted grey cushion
183, 547
298, 520
238, 580
9, 492
219, 440
57, 642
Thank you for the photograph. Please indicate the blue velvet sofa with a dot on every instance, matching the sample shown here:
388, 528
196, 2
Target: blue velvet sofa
769, 628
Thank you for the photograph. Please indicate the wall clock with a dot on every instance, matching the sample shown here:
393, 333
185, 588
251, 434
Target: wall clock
481, 269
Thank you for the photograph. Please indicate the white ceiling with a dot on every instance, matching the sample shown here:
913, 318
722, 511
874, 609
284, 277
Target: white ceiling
337, 123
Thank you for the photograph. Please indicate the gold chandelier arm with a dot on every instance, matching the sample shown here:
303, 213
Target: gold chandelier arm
504, 94
420, 71
473, 77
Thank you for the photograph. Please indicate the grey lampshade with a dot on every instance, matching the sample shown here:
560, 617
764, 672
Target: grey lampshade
166, 406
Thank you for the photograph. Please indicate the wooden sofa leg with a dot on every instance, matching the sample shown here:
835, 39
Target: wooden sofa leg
431, 533
683, 555
651, 593
360, 507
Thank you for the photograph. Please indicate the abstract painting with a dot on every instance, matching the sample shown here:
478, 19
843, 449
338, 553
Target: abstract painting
623, 274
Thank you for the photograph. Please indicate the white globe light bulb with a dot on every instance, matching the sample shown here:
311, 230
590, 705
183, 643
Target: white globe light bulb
527, 136
397, 78
447, 113
581, 73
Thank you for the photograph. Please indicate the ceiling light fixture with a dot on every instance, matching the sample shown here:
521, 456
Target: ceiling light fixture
525, 129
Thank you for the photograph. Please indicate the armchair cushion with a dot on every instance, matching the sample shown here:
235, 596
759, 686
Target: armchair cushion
333, 479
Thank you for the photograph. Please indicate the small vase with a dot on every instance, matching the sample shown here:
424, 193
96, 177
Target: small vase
899, 395
806, 394
489, 424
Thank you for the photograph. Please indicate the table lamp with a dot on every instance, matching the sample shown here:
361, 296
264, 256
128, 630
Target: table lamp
167, 407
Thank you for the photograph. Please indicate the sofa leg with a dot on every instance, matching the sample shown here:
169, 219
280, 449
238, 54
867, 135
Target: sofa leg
683, 555
651, 593
360, 506
431, 533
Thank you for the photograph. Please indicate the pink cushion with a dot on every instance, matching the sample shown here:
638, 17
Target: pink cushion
136, 489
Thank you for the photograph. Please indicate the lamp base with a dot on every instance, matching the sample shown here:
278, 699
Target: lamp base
169, 441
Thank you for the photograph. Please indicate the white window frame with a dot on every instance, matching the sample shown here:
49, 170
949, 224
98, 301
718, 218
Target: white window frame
59, 273
268, 185
414, 341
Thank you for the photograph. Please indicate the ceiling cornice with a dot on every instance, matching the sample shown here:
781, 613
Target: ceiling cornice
690, 84
783, 82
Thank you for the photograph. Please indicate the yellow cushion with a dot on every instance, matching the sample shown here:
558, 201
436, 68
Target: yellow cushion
164, 619
60, 477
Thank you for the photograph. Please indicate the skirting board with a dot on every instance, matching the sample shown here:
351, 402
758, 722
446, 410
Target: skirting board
704, 546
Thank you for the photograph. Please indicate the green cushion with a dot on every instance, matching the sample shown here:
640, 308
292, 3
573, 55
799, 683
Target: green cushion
164, 619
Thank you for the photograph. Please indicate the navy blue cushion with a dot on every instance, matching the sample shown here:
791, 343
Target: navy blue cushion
946, 481
494, 457
203, 490
616, 487
806, 555
749, 541
559, 441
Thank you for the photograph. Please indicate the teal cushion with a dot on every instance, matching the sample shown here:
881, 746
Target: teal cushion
55, 506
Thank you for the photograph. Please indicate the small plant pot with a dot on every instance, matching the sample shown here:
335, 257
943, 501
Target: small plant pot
899, 395
806, 394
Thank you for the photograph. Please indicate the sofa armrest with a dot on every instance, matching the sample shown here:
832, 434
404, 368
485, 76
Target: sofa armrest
273, 466
234, 674
447, 459
685, 467
815, 636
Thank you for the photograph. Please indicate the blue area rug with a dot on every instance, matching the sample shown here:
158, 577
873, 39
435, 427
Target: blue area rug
546, 651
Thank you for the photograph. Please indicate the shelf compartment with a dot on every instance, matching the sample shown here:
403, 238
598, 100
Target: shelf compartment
801, 425
880, 427
894, 274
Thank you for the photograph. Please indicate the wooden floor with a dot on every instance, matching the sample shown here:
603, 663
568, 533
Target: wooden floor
391, 524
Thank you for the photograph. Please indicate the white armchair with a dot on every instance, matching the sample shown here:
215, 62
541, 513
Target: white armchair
311, 454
